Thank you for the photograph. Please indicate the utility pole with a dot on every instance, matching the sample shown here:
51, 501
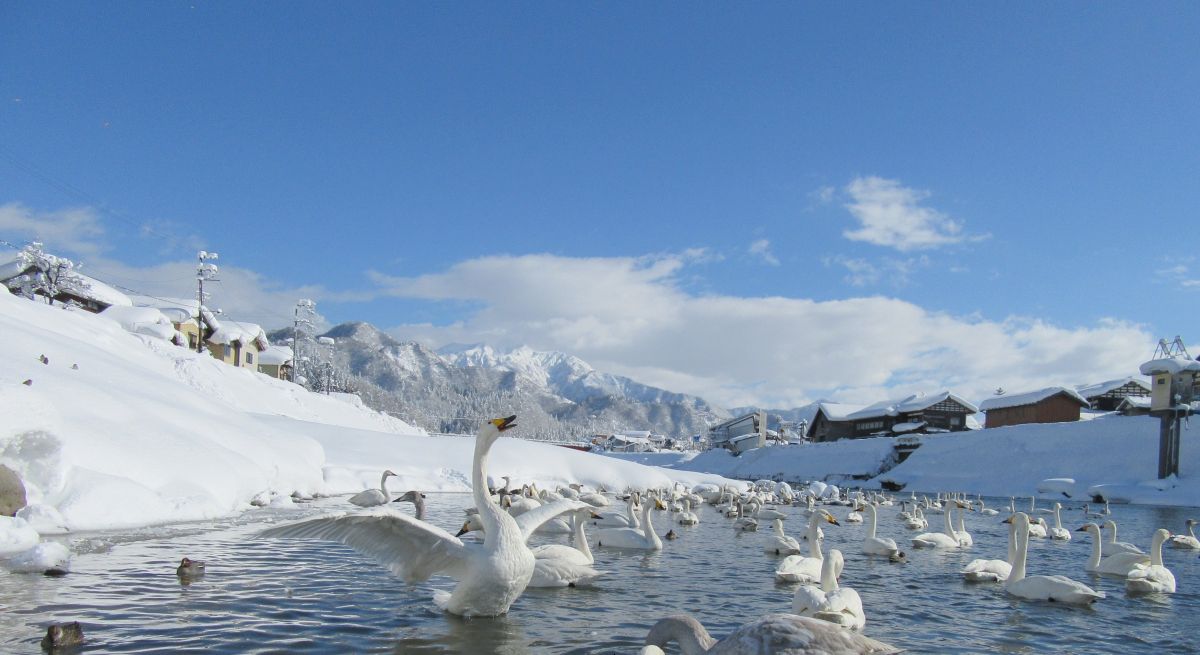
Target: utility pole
305, 310
205, 272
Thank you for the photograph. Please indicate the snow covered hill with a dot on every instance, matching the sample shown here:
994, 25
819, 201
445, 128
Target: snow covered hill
109, 429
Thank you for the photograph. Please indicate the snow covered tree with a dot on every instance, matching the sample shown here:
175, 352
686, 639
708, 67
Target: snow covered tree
46, 275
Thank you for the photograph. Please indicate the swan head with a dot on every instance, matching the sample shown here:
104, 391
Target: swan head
491, 431
829, 518
389, 474
1090, 527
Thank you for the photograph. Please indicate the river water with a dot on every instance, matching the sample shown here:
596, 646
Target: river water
285, 596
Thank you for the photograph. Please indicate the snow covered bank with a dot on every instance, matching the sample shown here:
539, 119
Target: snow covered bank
109, 429
1118, 451
834, 462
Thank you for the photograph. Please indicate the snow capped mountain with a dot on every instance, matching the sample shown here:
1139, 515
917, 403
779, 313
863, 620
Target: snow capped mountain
557, 394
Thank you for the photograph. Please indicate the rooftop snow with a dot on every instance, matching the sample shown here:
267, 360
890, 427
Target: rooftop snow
1093, 390
914, 403
1174, 366
1029, 398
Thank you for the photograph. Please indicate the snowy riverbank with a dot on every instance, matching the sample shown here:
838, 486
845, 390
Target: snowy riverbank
1118, 452
115, 430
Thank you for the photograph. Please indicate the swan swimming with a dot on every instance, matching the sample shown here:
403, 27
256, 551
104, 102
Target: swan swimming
830, 602
1111, 545
644, 538
1153, 577
795, 568
1187, 541
374, 497
491, 575
947, 538
780, 543
1059, 533
873, 545
558, 565
1054, 588
784, 634
993, 570
1118, 564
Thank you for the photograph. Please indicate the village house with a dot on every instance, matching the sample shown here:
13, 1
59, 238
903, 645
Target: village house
276, 361
238, 344
830, 422
76, 289
1107, 396
916, 414
1049, 405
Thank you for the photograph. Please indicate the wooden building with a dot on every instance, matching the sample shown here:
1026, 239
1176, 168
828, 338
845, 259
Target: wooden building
916, 414
1049, 405
830, 423
1107, 396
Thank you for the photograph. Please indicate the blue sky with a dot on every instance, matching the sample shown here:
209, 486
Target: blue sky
1020, 180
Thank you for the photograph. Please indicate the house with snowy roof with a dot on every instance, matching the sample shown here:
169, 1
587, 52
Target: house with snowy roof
276, 361
1107, 396
830, 423
916, 414
193, 321
238, 344
1049, 405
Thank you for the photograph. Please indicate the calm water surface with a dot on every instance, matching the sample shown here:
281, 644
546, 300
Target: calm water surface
286, 596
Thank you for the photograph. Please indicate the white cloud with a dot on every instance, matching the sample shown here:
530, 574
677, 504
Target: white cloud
891, 215
762, 249
74, 231
629, 316
1178, 271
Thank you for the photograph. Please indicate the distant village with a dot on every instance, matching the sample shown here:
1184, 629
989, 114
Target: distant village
188, 323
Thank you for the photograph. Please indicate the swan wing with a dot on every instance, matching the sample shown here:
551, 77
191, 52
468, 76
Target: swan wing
807, 600
413, 550
534, 518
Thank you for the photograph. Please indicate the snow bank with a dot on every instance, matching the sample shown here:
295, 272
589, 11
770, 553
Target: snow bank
118, 430
1016, 460
835, 461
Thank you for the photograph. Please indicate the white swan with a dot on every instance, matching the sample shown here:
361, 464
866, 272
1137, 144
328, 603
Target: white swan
743, 522
1188, 540
1153, 577
628, 520
873, 545
558, 565
417, 499
374, 497
1118, 564
1037, 529
766, 513
983, 509
1058, 533
829, 602
1055, 588
795, 568
643, 538
917, 521
993, 570
687, 516
491, 575
1111, 545
780, 543
947, 538
855, 516
773, 633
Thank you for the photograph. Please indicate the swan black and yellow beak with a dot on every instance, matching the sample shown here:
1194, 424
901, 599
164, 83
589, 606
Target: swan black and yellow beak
503, 424
1083, 529
829, 519
1009, 519
463, 530
597, 516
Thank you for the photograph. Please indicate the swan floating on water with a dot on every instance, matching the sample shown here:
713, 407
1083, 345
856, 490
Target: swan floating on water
1111, 545
873, 545
782, 634
947, 538
491, 576
795, 568
374, 497
993, 570
1059, 533
643, 538
1187, 541
780, 543
558, 565
1153, 577
1054, 588
830, 602
1118, 564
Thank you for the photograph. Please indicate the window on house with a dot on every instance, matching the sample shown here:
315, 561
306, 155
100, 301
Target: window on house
249, 358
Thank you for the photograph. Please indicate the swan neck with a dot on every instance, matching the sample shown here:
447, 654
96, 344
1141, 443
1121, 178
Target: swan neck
383, 487
581, 543
1057, 520
1094, 560
1012, 547
947, 526
829, 575
1156, 549
488, 511
649, 528
692, 638
874, 518
1022, 544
